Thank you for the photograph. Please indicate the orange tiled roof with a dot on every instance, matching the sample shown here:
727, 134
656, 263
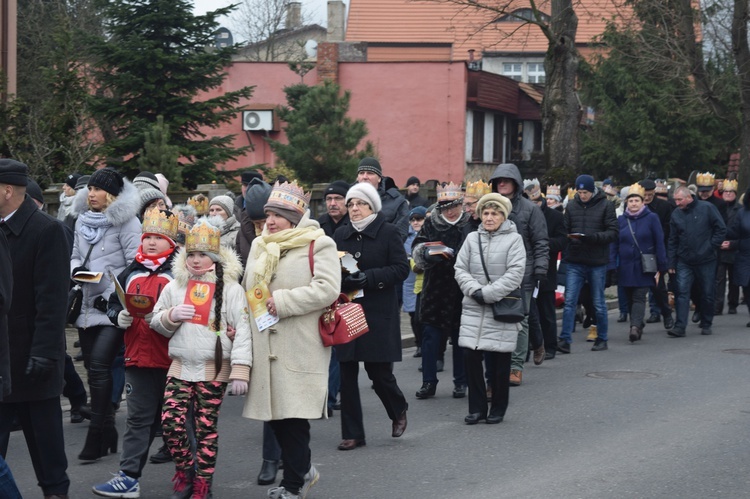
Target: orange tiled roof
429, 22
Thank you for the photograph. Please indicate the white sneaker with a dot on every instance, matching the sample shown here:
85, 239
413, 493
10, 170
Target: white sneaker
281, 493
311, 478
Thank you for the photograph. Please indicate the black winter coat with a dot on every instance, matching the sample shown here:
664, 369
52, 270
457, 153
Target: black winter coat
663, 210
440, 302
558, 241
596, 219
329, 226
380, 254
6, 293
395, 210
36, 322
695, 234
728, 256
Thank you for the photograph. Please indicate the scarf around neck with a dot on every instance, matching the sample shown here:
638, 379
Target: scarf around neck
361, 225
269, 248
93, 226
633, 215
152, 262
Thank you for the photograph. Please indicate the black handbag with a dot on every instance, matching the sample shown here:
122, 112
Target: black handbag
648, 260
510, 309
75, 296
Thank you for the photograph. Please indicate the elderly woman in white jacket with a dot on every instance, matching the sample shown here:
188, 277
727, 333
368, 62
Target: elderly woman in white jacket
480, 334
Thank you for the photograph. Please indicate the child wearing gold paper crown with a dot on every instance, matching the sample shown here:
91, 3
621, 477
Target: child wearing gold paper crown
204, 358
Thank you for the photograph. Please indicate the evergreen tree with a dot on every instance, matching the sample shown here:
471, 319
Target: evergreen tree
157, 59
322, 140
158, 156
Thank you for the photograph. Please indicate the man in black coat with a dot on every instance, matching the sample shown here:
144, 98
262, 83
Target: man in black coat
395, 207
40, 255
336, 214
545, 299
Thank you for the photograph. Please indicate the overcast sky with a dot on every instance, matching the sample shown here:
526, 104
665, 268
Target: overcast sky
317, 9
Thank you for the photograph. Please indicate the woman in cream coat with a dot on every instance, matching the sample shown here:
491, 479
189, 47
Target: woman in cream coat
289, 382
480, 334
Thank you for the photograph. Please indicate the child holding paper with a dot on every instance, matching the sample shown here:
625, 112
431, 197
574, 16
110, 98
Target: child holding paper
194, 311
146, 360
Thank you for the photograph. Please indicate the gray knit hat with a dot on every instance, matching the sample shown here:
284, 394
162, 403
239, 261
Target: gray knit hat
370, 165
225, 202
145, 180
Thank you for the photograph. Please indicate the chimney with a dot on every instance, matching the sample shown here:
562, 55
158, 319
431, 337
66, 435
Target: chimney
336, 21
328, 62
293, 15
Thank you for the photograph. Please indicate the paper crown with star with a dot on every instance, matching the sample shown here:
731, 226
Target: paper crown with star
163, 223
203, 237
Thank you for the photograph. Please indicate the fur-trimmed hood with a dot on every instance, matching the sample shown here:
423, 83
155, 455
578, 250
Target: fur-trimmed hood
227, 258
125, 206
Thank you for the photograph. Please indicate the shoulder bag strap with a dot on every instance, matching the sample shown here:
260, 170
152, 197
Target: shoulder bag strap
633, 235
310, 258
86, 260
481, 258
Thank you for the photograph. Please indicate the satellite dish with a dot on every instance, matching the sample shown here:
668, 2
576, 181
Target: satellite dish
311, 48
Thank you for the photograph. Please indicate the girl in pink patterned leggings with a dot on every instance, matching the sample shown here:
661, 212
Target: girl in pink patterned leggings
204, 357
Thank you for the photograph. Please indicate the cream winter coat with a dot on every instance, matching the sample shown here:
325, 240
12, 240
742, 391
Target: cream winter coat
505, 258
192, 346
290, 372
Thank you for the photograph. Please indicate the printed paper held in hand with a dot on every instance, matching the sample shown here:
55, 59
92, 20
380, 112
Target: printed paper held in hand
200, 294
257, 296
350, 265
88, 276
136, 304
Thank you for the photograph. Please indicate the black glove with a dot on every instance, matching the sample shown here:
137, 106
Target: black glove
611, 279
100, 303
477, 295
540, 278
353, 282
39, 369
79, 269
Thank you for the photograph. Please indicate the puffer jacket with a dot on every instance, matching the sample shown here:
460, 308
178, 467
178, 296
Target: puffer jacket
115, 250
192, 346
143, 346
440, 304
695, 234
395, 209
505, 259
596, 219
530, 224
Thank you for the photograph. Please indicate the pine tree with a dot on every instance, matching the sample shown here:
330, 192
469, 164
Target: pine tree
157, 59
158, 156
322, 140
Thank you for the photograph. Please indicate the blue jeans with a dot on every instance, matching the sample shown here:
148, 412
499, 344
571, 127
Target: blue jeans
705, 274
576, 276
8, 488
431, 342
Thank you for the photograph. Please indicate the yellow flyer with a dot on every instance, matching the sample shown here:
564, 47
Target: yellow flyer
257, 296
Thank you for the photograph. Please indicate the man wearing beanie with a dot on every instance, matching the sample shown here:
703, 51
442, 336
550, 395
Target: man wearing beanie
591, 225
412, 193
67, 195
336, 213
239, 201
530, 223
252, 217
37, 320
395, 208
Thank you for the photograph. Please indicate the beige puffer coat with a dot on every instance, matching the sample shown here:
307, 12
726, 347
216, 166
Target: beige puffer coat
505, 258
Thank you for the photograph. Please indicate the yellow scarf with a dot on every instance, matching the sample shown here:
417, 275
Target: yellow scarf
269, 248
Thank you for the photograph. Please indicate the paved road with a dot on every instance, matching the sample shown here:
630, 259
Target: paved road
661, 418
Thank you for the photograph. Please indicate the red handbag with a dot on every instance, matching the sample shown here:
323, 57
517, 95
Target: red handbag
342, 321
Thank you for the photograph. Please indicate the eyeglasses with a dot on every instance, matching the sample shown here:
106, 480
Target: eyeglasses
470, 205
358, 204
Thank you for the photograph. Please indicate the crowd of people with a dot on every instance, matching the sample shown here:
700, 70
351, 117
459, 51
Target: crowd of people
187, 303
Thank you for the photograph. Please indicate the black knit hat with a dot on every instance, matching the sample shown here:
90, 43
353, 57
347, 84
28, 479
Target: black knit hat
34, 191
108, 180
72, 179
13, 172
247, 177
648, 184
146, 180
413, 180
370, 165
256, 198
340, 187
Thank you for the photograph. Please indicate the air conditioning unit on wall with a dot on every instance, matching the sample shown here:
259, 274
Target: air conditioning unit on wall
257, 120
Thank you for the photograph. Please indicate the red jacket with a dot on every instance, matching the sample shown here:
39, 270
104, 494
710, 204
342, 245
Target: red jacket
144, 347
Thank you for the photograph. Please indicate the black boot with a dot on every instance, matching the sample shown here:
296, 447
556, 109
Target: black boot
93, 449
268, 471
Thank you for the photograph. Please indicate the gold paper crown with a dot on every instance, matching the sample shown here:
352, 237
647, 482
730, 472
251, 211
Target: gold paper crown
636, 190
661, 186
571, 193
730, 185
553, 190
477, 189
449, 193
203, 237
289, 196
705, 180
156, 221
200, 203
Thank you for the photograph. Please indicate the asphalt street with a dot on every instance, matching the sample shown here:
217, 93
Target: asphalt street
664, 417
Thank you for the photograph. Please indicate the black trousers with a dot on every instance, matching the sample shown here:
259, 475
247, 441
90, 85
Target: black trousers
294, 437
478, 389
536, 338
545, 305
42, 425
661, 297
100, 345
386, 388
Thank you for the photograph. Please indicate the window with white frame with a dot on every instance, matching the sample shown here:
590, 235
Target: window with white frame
535, 72
513, 70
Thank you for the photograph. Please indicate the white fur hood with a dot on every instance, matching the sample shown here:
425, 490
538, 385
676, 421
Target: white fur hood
228, 259
123, 209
